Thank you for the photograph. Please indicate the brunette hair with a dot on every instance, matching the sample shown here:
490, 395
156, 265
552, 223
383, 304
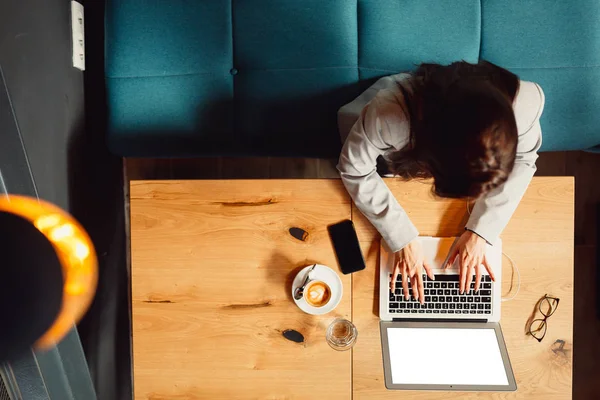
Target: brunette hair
463, 132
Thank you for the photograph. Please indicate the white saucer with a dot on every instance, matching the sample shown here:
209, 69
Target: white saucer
327, 275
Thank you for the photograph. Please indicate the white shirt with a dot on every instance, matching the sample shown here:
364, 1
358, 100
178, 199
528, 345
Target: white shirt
375, 124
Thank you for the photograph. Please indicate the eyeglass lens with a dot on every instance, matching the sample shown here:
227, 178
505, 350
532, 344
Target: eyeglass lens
538, 328
548, 306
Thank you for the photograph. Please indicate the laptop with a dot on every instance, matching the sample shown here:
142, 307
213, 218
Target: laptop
453, 341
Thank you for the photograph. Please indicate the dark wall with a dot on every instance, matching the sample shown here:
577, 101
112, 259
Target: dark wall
98, 202
45, 90
52, 144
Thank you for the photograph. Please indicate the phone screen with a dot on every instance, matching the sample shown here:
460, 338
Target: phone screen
347, 249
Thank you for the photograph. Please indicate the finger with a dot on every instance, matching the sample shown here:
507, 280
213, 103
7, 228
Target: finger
451, 258
477, 277
415, 286
405, 282
469, 277
428, 270
421, 289
462, 275
394, 278
488, 268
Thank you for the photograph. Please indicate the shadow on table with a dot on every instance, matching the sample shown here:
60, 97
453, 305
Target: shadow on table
281, 272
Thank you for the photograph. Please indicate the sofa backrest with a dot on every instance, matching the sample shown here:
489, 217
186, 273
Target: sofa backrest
266, 77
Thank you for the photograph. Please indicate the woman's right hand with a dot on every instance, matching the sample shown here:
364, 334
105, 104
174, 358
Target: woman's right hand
410, 262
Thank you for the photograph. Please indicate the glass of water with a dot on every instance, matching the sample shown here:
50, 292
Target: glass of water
341, 334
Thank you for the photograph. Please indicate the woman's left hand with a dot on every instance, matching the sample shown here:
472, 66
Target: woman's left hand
470, 250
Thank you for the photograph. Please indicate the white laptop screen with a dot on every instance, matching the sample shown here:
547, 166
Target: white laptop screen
445, 356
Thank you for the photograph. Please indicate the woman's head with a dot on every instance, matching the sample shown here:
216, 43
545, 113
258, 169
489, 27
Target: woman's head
463, 129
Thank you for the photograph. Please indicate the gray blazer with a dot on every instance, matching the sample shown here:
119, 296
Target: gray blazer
375, 124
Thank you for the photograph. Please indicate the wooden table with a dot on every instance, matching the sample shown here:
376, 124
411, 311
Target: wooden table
212, 264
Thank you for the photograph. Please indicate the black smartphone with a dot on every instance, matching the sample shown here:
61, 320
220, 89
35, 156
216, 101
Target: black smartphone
347, 249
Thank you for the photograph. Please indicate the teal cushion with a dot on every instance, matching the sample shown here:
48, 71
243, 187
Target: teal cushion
160, 116
266, 77
396, 36
296, 63
174, 37
556, 44
292, 112
541, 33
571, 120
292, 34
169, 88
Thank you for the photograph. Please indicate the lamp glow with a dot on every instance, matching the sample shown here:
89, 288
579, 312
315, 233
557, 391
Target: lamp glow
75, 252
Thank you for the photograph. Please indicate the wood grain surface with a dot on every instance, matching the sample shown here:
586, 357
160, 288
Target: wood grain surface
212, 266
539, 238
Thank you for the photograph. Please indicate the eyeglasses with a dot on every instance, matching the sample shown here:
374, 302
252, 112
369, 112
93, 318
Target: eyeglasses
547, 306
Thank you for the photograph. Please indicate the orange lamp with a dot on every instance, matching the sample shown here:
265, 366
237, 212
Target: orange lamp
48, 273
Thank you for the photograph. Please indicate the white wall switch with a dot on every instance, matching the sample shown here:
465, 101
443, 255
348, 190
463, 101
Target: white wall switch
78, 35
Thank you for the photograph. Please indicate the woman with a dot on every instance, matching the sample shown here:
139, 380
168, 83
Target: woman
473, 128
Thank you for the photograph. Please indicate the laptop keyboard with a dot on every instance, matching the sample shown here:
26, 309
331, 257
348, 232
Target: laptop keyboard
442, 297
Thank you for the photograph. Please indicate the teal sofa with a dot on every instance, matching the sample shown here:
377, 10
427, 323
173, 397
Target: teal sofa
189, 78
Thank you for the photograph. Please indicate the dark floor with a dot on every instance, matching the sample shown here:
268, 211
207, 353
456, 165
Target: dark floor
584, 166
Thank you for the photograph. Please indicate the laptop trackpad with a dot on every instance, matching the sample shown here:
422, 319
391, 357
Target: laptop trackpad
445, 356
